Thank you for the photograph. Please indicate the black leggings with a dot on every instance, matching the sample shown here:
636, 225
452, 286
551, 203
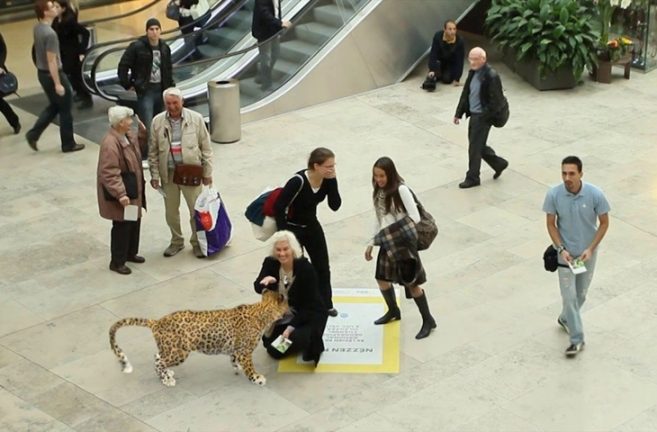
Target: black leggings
312, 239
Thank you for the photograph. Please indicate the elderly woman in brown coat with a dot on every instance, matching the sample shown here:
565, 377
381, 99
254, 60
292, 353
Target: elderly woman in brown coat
120, 182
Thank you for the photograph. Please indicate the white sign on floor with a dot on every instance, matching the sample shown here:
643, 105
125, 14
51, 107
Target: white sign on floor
353, 343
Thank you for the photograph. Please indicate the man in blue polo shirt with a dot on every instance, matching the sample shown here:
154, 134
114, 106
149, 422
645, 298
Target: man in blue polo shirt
577, 220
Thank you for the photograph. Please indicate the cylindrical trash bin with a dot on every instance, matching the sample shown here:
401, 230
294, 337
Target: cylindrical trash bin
225, 119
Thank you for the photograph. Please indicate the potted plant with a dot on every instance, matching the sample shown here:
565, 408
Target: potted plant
616, 50
547, 42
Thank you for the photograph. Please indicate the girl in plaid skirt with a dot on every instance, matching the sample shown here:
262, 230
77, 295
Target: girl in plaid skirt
393, 202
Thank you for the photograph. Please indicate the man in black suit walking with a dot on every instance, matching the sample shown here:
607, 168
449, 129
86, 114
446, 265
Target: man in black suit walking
267, 21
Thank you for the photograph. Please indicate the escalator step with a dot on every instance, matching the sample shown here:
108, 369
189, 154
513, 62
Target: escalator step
329, 14
314, 32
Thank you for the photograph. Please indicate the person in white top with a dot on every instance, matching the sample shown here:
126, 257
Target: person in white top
393, 201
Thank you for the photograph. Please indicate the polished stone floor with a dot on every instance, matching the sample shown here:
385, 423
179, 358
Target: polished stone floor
495, 362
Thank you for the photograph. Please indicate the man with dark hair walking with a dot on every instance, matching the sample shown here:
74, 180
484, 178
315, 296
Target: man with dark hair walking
483, 101
577, 220
53, 80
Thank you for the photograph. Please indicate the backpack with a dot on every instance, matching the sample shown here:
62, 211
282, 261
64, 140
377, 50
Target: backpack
261, 211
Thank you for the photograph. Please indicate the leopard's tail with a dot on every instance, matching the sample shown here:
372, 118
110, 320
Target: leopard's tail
126, 367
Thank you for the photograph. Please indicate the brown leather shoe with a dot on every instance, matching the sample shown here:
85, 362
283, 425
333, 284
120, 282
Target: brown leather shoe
137, 259
120, 269
76, 147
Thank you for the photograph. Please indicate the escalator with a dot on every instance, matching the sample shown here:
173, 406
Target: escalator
335, 48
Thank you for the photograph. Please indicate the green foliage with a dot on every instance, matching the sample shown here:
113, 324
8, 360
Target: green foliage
555, 32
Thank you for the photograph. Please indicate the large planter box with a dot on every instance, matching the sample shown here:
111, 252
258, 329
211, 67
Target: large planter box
560, 79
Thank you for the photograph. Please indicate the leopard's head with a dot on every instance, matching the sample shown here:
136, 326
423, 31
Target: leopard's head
274, 302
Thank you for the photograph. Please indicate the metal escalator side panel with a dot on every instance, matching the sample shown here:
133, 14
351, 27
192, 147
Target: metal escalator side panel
376, 48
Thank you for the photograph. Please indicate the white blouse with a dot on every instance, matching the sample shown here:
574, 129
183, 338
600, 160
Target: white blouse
382, 220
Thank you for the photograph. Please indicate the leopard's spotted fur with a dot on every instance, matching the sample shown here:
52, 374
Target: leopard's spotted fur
235, 332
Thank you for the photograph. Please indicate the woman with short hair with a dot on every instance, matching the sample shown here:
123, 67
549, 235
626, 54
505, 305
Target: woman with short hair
120, 155
292, 275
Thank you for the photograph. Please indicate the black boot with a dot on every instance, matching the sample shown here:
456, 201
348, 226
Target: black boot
393, 310
428, 323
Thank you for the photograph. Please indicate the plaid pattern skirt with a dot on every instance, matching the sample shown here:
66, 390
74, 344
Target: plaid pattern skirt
386, 269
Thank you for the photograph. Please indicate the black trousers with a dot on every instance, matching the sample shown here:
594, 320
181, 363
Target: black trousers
73, 69
478, 129
300, 337
9, 113
125, 240
313, 241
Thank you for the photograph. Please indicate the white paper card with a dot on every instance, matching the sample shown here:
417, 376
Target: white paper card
281, 343
130, 212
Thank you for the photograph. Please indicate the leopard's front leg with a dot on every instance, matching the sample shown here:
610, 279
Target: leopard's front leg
246, 363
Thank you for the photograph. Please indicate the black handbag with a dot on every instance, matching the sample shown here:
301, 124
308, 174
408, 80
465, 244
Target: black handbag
429, 83
173, 11
8, 84
551, 259
500, 118
129, 182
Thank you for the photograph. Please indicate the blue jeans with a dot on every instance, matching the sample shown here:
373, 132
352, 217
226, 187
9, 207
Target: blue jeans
149, 104
58, 105
573, 294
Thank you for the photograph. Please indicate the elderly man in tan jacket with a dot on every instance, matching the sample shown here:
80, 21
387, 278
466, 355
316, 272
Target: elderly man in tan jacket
178, 137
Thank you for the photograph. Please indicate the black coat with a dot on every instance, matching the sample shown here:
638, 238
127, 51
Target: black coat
443, 55
493, 101
303, 296
137, 61
3, 53
264, 24
73, 36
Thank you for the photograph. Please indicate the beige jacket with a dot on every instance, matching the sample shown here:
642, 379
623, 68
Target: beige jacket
196, 148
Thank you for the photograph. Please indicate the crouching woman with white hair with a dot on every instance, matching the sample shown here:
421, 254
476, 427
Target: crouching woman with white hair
291, 274
120, 182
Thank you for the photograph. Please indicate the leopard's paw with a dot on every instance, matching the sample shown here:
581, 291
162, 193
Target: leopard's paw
126, 367
169, 380
259, 379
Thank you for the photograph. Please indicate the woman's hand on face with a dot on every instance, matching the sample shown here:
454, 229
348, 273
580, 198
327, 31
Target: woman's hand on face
268, 280
368, 253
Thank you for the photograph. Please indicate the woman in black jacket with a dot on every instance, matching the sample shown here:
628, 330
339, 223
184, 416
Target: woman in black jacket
73, 41
292, 275
296, 210
5, 108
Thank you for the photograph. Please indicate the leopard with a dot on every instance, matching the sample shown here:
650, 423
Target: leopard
235, 332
